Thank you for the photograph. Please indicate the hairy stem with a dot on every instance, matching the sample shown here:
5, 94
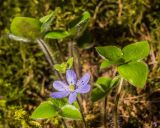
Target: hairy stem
116, 103
77, 61
45, 51
48, 53
73, 51
81, 110
49, 50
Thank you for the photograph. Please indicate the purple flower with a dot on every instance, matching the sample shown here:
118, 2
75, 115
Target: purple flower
72, 87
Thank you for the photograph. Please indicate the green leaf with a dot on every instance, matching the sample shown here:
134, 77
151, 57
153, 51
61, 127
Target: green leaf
106, 64
112, 53
57, 34
59, 102
45, 110
97, 94
135, 73
114, 81
26, 27
136, 51
101, 89
78, 26
61, 67
46, 18
46, 22
70, 112
64, 66
104, 82
69, 62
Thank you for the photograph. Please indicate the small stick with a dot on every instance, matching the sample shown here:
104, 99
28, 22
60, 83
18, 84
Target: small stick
105, 112
64, 123
81, 110
116, 103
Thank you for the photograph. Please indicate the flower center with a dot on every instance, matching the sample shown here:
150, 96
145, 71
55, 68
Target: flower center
71, 87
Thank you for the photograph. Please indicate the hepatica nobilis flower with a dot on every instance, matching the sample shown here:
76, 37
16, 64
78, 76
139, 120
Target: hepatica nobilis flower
72, 87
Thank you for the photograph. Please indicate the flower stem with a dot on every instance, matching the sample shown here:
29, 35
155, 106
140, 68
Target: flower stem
81, 110
73, 51
116, 103
48, 53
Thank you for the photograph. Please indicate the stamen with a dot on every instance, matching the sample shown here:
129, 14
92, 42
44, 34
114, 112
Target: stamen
71, 87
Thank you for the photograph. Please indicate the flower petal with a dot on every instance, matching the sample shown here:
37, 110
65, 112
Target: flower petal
60, 86
84, 80
71, 77
72, 97
83, 89
59, 94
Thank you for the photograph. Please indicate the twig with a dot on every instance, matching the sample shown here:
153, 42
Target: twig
70, 48
116, 103
64, 123
81, 110
96, 11
105, 112
120, 6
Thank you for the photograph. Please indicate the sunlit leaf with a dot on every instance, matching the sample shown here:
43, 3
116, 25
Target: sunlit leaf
45, 110
70, 112
112, 53
61, 67
59, 102
46, 22
26, 27
136, 51
57, 34
69, 62
78, 26
135, 73
106, 64
46, 18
